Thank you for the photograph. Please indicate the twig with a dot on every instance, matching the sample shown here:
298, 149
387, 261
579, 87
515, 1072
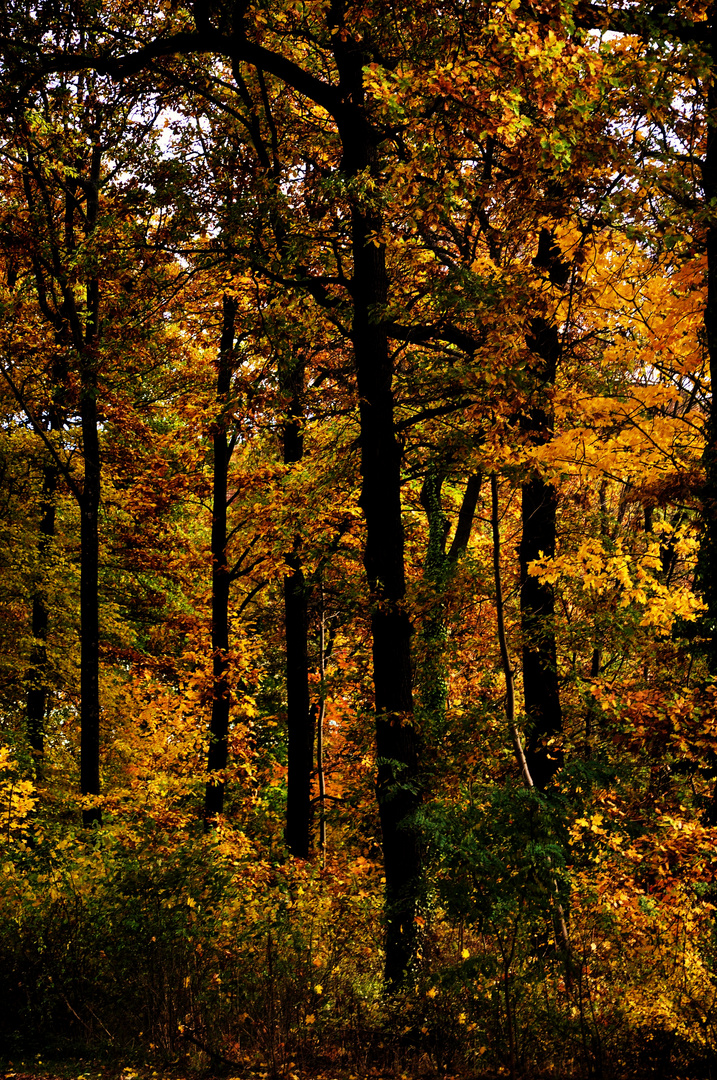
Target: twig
502, 641
213, 1054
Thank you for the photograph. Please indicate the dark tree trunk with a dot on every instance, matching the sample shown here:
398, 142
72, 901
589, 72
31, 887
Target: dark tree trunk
37, 689
221, 694
438, 568
707, 567
707, 563
537, 600
431, 683
89, 599
397, 741
300, 717
89, 531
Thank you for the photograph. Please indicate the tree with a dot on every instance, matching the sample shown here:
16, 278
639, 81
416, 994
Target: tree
429, 222
64, 150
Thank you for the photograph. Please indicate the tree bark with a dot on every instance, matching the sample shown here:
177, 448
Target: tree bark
89, 531
397, 741
431, 683
320, 714
537, 600
707, 567
300, 716
221, 693
37, 689
520, 754
79, 330
707, 562
291, 371
438, 568
89, 599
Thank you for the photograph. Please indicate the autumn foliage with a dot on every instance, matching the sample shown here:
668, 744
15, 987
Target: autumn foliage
358, 471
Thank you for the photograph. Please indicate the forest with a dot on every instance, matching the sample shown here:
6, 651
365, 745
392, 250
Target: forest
358, 559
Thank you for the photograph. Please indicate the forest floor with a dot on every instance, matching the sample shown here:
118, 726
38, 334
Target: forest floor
81, 1069
32, 1067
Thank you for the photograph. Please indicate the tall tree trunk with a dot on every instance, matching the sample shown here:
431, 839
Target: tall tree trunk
300, 716
707, 563
89, 532
707, 567
37, 690
397, 741
320, 714
89, 599
221, 694
537, 600
537, 608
